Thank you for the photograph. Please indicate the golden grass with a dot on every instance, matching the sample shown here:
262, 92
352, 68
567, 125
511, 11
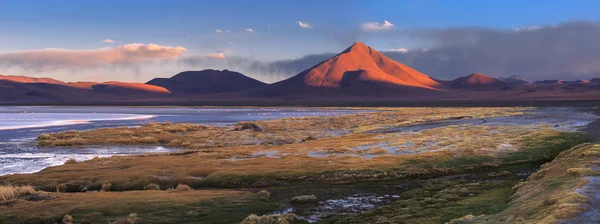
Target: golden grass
273, 132
9, 192
149, 205
550, 195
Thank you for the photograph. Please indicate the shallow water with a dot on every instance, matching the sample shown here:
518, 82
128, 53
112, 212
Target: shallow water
19, 126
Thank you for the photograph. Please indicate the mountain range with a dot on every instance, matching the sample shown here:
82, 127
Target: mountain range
357, 73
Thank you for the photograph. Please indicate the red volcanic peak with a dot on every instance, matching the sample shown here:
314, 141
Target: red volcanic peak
360, 64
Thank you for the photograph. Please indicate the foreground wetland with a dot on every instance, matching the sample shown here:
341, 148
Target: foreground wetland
381, 165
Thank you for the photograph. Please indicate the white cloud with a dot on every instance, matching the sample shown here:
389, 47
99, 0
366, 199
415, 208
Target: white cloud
250, 30
219, 31
108, 41
54, 59
304, 25
375, 26
401, 50
228, 31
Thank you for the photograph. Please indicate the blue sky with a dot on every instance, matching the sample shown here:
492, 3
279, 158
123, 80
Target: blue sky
83, 25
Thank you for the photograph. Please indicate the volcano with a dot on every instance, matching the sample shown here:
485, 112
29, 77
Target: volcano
360, 67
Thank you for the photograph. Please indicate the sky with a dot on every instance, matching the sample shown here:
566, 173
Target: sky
272, 40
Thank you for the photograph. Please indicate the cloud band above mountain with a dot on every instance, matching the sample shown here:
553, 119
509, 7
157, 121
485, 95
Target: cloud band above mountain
53, 59
567, 51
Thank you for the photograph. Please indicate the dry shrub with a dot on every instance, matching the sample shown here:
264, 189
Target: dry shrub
270, 219
264, 195
147, 140
130, 219
376, 151
126, 132
9, 192
45, 137
68, 142
125, 140
61, 188
68, 134
67, 219
152, 186
106, 186
582, 172
70, 161
175, 143
465, 219
304, 199
181, 188
184, 127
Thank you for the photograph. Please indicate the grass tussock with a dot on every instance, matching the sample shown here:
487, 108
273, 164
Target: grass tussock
9, 192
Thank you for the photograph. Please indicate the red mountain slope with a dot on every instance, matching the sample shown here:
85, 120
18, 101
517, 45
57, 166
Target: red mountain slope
360, 64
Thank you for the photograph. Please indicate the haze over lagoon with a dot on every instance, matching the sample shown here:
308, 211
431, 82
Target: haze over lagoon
20, 126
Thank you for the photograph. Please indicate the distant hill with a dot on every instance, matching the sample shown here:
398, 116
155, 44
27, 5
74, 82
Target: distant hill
549, 82
206, 82
514, 80
25, 79
23, 89
477, 81
595, 80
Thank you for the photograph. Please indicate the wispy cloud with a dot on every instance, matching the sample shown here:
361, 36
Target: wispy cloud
216, 56
249, 30
527, 28
401, 50
304, 25
54, 59
219, 31
551, 52
375, 26
224, 51
108, 41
